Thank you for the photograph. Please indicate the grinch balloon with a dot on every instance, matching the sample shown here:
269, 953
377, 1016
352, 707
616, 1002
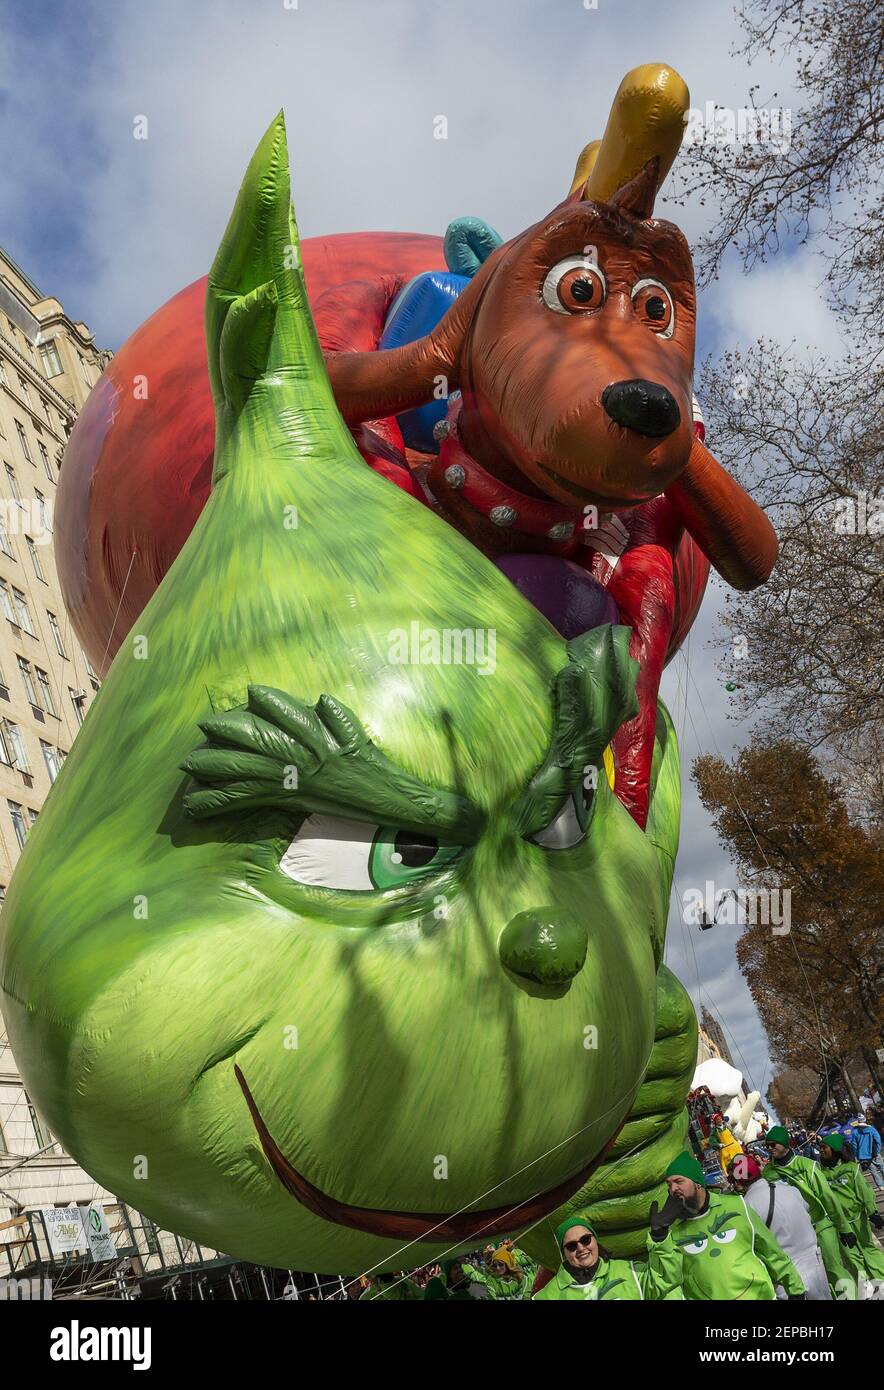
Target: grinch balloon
336, 939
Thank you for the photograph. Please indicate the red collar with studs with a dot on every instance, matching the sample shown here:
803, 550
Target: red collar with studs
456, 471
554, 528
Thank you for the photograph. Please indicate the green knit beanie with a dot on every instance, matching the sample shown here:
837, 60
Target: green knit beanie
578, 1219
779, 1135
685, 1166
834, 1141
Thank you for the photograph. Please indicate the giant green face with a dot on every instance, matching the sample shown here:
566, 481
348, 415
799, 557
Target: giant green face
322, 951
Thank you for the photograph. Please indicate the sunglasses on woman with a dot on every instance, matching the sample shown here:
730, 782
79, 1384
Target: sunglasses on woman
571, 1245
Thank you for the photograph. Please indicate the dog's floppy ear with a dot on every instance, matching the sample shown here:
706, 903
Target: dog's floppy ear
585, 165
643, 135
637, 196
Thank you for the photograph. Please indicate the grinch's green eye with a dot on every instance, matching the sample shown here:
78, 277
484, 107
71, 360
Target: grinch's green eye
355, 857
400, 856
725, 1237
695, 1247
570, 823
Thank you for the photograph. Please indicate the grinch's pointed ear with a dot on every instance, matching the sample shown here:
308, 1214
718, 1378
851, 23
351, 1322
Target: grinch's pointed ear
259, 329
247, 278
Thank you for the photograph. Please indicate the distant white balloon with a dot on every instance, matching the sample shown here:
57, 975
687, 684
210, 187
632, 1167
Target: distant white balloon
723, 1080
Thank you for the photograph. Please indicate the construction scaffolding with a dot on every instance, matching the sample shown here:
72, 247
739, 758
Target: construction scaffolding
149, 1263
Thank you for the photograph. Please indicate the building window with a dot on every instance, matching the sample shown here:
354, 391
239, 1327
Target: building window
16, 745
44, 512
43, 1137
23, 611
27, 680
56, 633
5, 542
46, 462
24, 388
23, 441
78, 700
18, 823
51, 359
6, 602
43, 682
35, 559
6, 753
13, 481
50, 758
3, 377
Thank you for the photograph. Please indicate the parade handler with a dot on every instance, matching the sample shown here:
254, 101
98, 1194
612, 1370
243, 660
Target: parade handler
712, 1245
588, 1272
784, 1212
856, 1202
828, 1219
505, 1281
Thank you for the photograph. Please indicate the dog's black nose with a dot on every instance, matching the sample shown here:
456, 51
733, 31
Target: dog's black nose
643, 406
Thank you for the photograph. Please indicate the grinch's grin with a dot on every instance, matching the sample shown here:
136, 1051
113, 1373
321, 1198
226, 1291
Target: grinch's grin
411, 1225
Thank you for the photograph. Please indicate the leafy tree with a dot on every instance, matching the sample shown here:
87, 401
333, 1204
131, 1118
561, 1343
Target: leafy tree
803, 433
792, 1092
787, 826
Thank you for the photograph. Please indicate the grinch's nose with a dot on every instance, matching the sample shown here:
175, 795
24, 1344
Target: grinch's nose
546, 944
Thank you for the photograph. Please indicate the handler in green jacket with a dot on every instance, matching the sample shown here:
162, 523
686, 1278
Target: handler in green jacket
587, 1271
712, 1244
832, 1230
854, 1197
505, 1282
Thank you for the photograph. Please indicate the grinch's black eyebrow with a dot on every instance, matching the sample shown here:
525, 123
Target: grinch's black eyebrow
277, 751
592, 697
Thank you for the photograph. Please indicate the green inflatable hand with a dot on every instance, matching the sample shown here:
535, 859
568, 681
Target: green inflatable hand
258, 963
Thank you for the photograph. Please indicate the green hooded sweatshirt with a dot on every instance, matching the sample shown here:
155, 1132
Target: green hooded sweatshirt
617, 1281
856, 1204
807, 1176
724, 1254
502, 1288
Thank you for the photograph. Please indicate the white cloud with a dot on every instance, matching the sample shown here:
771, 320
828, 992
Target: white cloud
781, 300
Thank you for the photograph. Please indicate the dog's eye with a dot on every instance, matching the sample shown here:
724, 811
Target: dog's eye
653, 304
574, 286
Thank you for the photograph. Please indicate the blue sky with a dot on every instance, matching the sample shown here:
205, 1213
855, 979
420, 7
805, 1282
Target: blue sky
115, 226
